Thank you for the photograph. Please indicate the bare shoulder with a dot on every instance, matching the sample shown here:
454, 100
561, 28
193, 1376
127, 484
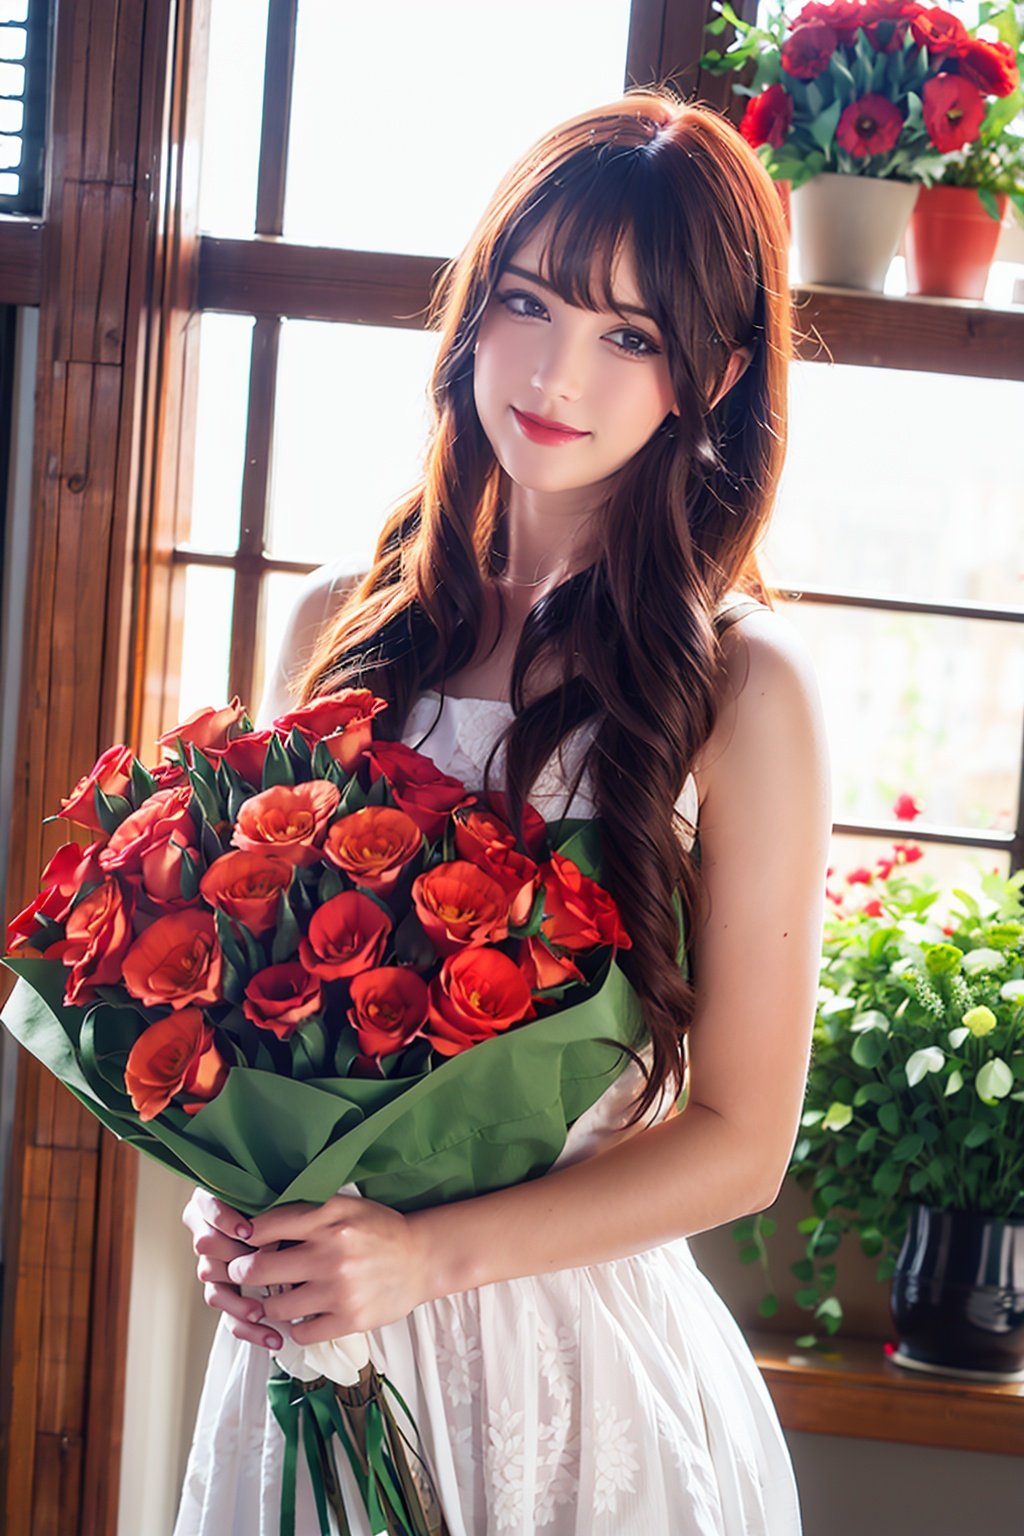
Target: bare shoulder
771, 710
317, 599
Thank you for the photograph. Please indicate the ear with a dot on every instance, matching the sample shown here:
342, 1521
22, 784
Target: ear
735, 368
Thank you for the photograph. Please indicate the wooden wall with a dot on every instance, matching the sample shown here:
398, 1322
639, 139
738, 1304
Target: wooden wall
115, 290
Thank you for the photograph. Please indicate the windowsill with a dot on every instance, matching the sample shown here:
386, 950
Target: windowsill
864, 1395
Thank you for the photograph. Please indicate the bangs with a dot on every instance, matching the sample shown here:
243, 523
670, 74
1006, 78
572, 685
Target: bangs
598, 204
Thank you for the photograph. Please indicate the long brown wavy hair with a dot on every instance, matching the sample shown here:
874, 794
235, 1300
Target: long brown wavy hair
633, 634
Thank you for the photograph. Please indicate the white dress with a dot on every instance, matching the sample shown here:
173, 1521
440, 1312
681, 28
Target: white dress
619, 1399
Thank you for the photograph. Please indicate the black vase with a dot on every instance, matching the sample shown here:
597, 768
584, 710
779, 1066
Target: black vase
958, 1294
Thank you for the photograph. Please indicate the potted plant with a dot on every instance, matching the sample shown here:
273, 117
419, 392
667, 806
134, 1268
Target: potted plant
954, 229
912, 1135
848, 105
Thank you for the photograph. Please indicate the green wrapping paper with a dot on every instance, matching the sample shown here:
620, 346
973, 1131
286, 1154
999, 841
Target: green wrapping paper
487, 1118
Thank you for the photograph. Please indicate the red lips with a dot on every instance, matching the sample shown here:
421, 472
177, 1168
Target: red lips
538, 430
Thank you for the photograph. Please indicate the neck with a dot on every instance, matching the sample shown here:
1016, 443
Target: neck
547, 535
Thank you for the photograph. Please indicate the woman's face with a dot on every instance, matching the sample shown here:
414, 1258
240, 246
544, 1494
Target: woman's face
604, 373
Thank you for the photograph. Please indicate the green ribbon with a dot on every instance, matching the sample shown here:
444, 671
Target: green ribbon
313, 1412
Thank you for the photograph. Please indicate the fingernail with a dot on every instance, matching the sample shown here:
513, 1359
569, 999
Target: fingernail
272, 1341
256, 1315
244, 1229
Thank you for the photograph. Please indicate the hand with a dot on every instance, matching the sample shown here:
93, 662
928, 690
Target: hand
215, 1229
351, 1265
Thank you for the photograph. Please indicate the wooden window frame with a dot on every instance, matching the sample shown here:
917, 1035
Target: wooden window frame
122, 275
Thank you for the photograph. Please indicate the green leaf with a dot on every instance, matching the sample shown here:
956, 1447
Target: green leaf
823, 127
889, 1119
111, 810
768, 1306
868, 1049
287, 932
277, 766
143, 782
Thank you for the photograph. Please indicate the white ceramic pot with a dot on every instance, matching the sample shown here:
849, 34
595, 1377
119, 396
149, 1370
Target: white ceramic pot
846, 229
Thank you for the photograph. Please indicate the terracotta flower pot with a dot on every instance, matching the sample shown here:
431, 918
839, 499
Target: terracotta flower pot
846, 228
957, 1295
950, 242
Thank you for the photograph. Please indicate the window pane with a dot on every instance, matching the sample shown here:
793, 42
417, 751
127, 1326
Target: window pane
234, 108
280, 590
919, 704
225, 350
350, 430
887, 471
207, 640
405, 116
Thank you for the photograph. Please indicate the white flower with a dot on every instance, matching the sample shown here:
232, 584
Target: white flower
1012, 991
983, 960
994, 1081
929, 1059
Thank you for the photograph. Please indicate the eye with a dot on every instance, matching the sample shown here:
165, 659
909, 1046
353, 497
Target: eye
645, 349
509, 299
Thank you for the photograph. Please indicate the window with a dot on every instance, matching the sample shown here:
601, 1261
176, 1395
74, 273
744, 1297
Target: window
24, 72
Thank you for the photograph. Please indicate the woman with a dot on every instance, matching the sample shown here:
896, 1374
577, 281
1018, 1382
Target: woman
556, 603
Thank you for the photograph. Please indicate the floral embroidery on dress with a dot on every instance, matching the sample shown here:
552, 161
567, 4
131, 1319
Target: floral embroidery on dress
559, 1359
559, 1451
459, 1365
506, 1465
614, 1457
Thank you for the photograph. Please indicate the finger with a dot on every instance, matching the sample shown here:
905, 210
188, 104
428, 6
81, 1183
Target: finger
220, 1215
291, 1266
293, 1223
208, 1241
299, 1301
243, 1316
320, 1329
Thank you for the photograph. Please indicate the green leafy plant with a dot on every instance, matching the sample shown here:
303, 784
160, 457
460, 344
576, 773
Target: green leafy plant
916, 1084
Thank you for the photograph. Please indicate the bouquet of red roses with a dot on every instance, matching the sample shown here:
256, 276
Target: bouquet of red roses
863, 87
314, 930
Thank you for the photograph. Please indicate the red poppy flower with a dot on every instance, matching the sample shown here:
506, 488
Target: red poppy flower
953, 110
768, 117
869, 126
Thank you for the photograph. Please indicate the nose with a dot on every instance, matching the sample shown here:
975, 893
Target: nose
559, 369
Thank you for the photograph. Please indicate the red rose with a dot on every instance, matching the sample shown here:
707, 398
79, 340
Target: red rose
373, 845
843, 16
111, 773
484, 840
168, 775
161, 871
768, 117
869, 126
287, 820
175, 962
389, 1005
534, 825
478, 993
417, 785
953, 110
459, 904
162, 814
343, 721
174, 1055
806, 52
883, 12
97, 938
578, 913
346, 935
247, 887
542, 968
939, 31
281, 997
246, 754
992, 67
63, 877
208, 729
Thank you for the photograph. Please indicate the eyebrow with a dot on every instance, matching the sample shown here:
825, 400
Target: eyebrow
624, 309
